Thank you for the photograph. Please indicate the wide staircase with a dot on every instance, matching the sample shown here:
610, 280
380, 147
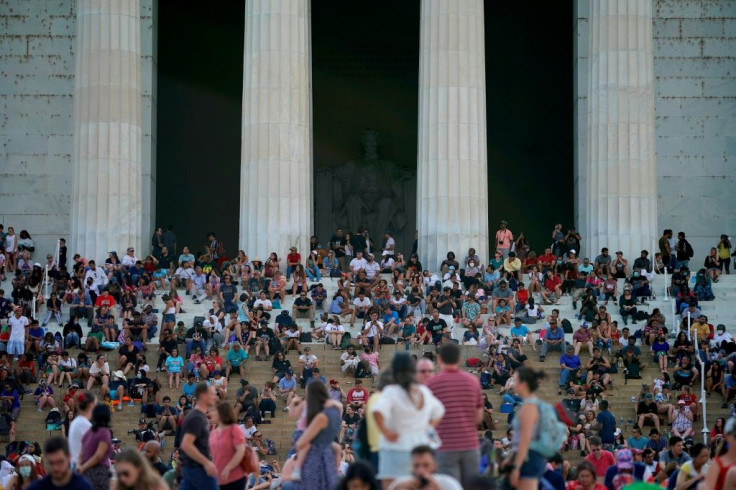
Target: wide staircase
31, 426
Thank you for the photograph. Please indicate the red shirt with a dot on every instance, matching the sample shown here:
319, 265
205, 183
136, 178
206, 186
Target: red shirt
522, 295
294, 258
108, 301
603, 463
547, 259
357, 396
461, 395
551, 283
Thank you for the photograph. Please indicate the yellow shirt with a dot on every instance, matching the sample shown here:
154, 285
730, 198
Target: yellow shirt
701, 328
723, 252
374, 434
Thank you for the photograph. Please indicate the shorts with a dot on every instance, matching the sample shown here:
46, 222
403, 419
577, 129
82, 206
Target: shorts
534, 467
16, 347
170, 318
393, 464
374, 370
95, 335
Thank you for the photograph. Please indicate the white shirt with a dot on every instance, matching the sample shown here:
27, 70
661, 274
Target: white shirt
390, 245
357, 264
18, 328
361, 304
266, 303
308, 360
99, 278
372, 269
717, 339
199, 280
77, 429
374, 328
128, 261
248, 432
401, 414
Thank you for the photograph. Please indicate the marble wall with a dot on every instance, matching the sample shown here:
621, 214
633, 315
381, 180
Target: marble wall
695, 115
37, 42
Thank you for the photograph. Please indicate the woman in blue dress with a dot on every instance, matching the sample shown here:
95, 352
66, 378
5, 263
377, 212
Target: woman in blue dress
324, 416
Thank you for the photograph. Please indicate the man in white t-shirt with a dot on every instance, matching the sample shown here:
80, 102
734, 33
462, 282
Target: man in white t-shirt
18, 333
357, 264
80, 425
372, 268
307, 361
362, 305
390, 246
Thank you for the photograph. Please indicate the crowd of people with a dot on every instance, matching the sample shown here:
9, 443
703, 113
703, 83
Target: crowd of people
424, 422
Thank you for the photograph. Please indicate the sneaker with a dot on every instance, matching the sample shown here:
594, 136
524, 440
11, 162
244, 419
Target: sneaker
541, 358
131, 403
158, 369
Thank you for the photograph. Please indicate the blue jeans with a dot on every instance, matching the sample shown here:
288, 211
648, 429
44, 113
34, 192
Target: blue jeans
192, 344
72, 339
563, 377
289, 270
195, 478
315, 276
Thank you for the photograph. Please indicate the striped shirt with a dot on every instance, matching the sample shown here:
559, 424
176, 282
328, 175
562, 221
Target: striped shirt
458, 428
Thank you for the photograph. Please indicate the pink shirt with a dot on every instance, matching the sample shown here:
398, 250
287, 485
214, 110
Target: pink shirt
222, 448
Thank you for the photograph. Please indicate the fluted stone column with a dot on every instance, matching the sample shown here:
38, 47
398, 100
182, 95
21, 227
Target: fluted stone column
452, 180
106, 191
276, 156
620, 198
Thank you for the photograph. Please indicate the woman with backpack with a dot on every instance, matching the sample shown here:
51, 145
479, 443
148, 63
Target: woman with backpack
531, 432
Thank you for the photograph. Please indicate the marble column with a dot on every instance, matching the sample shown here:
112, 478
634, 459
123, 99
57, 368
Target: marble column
620, 198
106, 190
452, 173
276, 154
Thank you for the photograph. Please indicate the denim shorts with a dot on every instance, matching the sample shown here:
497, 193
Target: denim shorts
170, 318
393, 464
534, 466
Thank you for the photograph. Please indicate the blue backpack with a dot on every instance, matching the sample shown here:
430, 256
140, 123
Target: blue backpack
551, 432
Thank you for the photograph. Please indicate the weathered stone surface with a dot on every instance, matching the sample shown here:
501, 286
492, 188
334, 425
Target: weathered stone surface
276, 155
107, 184
452, 193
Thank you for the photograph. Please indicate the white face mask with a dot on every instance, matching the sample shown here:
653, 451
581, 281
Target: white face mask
25, 471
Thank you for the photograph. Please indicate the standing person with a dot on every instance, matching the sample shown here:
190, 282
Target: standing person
85, 402
406, 414
227, 443
324, 417
134, 473
722, 473
94, 460
18, 333
528, 464
460, 393
504, 238
60, 475
197, 469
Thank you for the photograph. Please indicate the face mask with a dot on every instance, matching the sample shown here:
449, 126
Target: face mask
138, 375
25, 471
636, 274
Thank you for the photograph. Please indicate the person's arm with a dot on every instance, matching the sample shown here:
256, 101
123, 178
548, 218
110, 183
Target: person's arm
318, 423
528, 416
187, 445
96, 457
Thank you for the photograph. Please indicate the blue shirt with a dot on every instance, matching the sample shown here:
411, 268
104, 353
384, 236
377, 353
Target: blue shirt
559, 334
188, 389
391, 316
287, 384
519, 331
573, 361
609, 427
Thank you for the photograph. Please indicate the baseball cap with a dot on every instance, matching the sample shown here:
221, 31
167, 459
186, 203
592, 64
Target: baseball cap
333, 381
289, 371
119, 374
624, 458
142, 421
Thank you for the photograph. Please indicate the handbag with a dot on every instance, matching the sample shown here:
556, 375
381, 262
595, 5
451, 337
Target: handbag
249, 463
